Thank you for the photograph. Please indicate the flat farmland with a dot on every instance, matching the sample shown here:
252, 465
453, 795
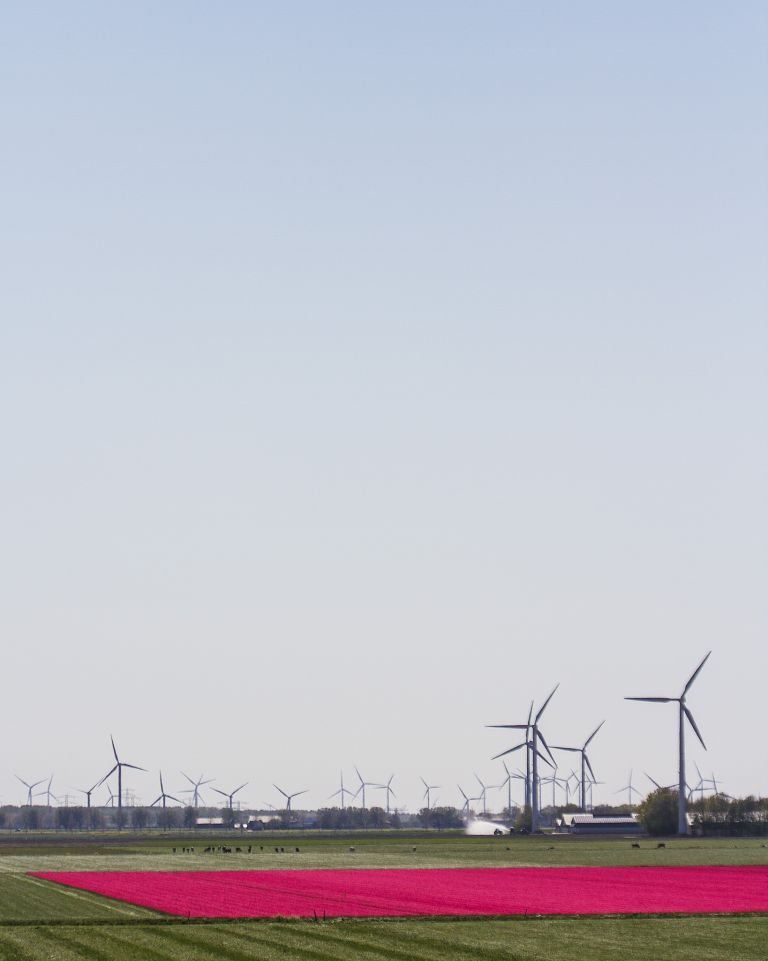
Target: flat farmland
42, 920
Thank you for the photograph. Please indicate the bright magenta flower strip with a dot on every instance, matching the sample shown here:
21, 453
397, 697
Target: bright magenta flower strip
403, 893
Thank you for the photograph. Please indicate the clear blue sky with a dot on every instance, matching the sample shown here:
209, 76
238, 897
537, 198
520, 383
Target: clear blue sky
367, 368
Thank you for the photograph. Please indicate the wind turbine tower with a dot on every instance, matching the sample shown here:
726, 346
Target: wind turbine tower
683, 713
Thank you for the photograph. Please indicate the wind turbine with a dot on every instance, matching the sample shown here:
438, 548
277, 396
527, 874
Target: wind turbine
533, 747
483, 791
233, 793
388, 788
89, 792
507, 783
29, 787
629, 789
289, 797
162, 797
363, 785
653, 781
683, 713
342, 791
49, 793
428, 792
119, 765
584, 763
465, 806
196, 785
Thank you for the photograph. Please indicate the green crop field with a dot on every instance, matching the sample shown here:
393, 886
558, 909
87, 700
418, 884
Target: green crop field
40, 920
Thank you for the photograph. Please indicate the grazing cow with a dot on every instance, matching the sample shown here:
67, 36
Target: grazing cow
635, 844
661, 844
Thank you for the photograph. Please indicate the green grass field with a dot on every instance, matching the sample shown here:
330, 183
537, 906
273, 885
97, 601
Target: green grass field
39, 920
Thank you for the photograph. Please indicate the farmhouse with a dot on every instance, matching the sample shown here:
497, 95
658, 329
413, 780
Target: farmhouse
209, 824
587, 824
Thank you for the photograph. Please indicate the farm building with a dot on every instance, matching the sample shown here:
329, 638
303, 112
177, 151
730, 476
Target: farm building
587, 824
209, 824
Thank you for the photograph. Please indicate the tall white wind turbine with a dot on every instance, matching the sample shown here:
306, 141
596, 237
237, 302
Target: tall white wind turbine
683, 713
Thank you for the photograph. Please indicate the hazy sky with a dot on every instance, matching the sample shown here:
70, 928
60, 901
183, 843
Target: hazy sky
366, 369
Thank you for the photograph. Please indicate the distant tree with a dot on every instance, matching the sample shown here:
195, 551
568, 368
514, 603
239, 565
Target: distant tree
139, 818
168, 818
190, 816
440, 818
658, 812
612, 810
70, 818
30, 818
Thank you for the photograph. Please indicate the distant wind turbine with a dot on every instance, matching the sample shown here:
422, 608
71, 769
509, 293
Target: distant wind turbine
584, 762
230, 795
342, 792
428, 791
388, 788
197, 797
29, 787
629, 789
119, 765
163, 796
289, 797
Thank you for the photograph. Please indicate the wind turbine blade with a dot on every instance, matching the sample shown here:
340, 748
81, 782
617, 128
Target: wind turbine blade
655, 783
586, 743
509, 751
172, 798
695, 674
658, 700
240, 788
516, 727
280, 790
589, 766
156, 800
114, 749
188, 778
22, 781
544, 705
219, 792
544, 758
530, 714
544, 742
693, 724
135, 767
560, 747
